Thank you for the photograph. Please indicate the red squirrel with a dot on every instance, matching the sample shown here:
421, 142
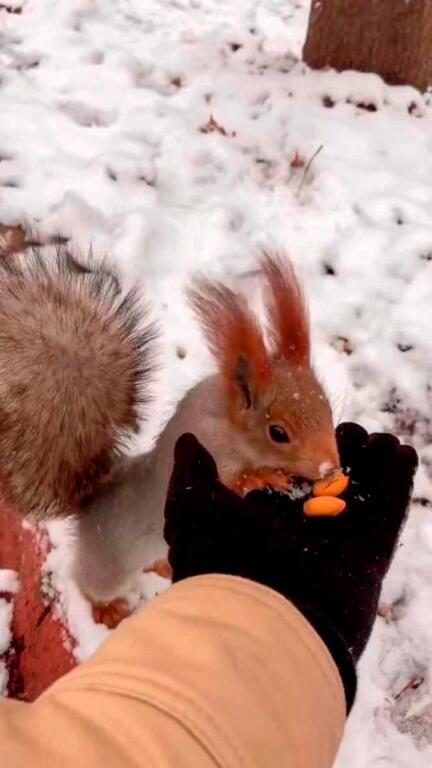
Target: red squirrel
76, 360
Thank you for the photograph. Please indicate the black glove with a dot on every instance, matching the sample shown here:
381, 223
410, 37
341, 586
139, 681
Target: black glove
330, 568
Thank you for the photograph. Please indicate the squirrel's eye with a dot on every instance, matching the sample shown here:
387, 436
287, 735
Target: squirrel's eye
278, 434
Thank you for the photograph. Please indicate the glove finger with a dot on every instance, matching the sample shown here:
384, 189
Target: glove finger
197, 502
409, 459
351, 439
193, 462
376, 464
192, 480
384, 445
386, 486
400, 469
403, 481
385, 453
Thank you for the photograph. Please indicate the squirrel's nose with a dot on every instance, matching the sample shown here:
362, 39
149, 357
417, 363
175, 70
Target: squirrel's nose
328, 469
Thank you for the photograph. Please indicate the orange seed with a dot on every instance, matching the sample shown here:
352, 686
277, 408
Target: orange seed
323, 506
331, 486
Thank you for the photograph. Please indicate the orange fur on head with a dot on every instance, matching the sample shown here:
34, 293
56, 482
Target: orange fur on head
233, 334
287, 311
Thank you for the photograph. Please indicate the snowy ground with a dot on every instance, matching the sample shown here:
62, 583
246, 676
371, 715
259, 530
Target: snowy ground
175, 136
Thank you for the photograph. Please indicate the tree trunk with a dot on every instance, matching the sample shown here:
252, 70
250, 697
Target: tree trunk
392, 38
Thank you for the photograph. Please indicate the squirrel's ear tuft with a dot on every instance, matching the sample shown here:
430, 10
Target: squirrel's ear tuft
234, 338
287, 311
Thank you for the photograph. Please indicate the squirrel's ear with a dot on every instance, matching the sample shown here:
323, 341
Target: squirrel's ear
287, 311
234, 338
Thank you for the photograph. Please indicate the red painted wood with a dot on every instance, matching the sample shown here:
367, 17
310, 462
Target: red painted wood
38, 656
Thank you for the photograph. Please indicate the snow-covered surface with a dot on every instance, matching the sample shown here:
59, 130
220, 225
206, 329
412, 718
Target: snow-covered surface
3, 678
8, 581
106, 137
8, 587
5, 622
73, 609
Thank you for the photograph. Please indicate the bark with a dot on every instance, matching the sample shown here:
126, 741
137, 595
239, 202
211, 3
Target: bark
392, 38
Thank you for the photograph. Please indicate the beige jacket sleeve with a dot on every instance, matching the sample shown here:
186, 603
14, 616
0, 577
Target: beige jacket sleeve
218, 672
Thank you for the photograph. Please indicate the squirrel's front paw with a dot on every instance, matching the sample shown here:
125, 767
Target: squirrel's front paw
257, 480
161, 568
112, 613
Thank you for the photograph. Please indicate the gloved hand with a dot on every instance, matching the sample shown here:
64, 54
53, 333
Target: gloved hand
330, 568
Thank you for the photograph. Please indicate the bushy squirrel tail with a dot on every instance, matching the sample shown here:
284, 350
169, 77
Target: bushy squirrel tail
76, 361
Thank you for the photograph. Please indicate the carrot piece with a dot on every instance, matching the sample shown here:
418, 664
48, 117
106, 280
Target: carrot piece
323, 506
333, 486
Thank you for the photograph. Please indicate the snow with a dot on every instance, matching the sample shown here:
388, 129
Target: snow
3, 678
8, 587
5, 621
8, 581
185, 135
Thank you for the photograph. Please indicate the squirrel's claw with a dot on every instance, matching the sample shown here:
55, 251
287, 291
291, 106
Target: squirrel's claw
161, 568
